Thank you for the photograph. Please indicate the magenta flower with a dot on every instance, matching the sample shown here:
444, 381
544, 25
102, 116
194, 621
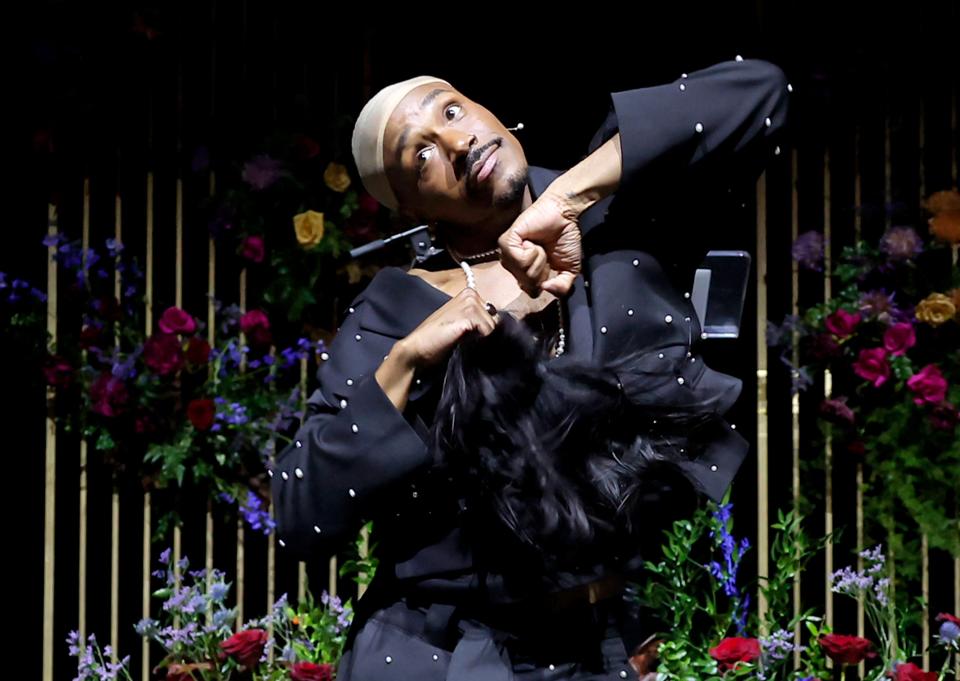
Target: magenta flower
872, 366
252, 248
929, 385
163, 354
899, 338
842, 323
174, 320
108, 394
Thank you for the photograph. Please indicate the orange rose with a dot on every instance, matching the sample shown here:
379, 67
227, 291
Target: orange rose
945, 226
938, 202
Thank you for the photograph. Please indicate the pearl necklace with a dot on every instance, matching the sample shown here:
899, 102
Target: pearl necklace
472, 283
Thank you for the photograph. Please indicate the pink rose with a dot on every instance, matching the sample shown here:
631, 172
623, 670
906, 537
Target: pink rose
162, 354
841, 323
256, 327
929, 385
899, 338
108, 394
872, 366
252, 248
175, 320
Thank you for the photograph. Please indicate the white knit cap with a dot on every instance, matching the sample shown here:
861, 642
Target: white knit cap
368, 136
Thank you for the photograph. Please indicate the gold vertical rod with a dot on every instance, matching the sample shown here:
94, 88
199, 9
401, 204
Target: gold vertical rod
211, 339
763, 471
147, 498
115, 493
795, 359
827, 390
861, 537
82, 520
50, 463
240, 548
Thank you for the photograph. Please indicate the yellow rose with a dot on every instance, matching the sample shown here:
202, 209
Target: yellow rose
309, 228
935, 309
955, 296
336, 177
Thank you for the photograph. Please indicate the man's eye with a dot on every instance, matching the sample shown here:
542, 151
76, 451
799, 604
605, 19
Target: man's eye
421, 159
455, 108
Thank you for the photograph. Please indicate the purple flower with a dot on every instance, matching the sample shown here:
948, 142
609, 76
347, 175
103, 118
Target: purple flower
114, 247
949, 632
901, 243
779, 645
808, 250
255, 515
261, 172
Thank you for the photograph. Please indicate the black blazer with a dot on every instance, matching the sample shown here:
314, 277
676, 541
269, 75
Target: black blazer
357, 457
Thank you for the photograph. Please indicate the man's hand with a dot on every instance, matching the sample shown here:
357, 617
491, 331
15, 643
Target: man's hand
542, 248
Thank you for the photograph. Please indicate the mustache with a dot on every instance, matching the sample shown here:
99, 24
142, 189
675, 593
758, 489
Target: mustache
474, 155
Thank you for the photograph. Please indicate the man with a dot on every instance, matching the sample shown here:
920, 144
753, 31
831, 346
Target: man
522, 238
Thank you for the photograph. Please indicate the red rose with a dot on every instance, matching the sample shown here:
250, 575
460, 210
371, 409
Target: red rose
946, 617
308, 671
58, 372
198, 351
368, 205
872, 366
108, 394
899, 338
162, 354
732, 650
175, 320
108, 308
908, 671
201, 413
823, 346
841, 323
252, 248
843, 649
246, 647
305, 147
90, 337
929, 385
856, 447
256, 327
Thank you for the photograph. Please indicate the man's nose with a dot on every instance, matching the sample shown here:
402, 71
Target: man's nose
457, 144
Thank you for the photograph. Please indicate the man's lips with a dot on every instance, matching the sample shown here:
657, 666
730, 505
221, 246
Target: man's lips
478, 166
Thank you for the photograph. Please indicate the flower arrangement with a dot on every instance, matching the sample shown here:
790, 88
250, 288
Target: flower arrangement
709, 632
890, 339
168, 405
197, 632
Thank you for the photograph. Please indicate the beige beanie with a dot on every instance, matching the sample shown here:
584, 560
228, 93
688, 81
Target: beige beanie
368, 136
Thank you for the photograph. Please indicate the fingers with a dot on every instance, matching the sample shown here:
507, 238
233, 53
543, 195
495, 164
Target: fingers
560, 284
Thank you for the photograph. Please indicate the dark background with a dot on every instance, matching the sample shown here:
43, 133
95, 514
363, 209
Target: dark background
111, 92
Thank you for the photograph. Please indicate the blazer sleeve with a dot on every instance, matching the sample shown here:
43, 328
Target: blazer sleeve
726, 117
353, 445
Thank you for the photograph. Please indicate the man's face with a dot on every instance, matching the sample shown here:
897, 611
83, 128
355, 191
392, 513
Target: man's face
450, 159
